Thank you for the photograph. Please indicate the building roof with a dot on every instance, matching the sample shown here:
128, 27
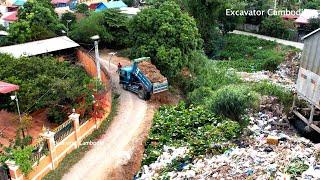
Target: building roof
39, 47
7, 87
130, 10
19, 2
60, 1
11, 16
310, 34
306, 15
110, 4
4, 33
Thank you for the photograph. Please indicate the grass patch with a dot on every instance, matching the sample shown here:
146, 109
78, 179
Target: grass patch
250, 54
77, 154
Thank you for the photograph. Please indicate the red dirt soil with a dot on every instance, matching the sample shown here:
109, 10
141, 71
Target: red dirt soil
9, 124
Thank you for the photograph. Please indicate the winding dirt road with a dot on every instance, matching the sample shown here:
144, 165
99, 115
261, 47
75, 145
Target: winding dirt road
116, 155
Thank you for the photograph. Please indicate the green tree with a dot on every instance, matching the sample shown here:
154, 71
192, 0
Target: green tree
166, 34
45, 83
82, 8
212, 20
110, 25
273, 26
37, 20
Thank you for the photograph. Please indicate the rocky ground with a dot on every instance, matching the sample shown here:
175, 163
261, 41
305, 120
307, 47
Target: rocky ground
268, 149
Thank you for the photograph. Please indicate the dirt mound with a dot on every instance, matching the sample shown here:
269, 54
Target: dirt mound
152, 73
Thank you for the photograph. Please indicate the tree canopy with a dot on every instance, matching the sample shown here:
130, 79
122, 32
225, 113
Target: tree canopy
166, 34
44, 82
36, 20
110, 25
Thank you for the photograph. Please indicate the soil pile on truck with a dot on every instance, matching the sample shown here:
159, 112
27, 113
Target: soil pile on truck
151, 72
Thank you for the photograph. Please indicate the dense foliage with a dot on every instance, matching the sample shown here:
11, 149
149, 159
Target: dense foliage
246, 53
191, 126
165, 34
314, 24
36, 20
275, 26
44, 83
211, 19
110, 25
82, 8
233, 101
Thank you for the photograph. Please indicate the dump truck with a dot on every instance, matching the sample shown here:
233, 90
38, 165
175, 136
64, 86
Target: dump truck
142, 78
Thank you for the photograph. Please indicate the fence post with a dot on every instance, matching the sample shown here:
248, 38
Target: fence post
75, 118
49, 136
15, 173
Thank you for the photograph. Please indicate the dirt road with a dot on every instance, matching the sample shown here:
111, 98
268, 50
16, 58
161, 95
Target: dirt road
116, 155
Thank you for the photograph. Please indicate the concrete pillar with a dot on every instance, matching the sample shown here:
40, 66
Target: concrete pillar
15, 173
76, 124
49, 136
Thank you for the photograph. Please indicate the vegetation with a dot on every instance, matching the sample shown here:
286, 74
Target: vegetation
246, 53
77, 154
165, 34
175, 126
82, 8
314, 24
36, 20
45, 83
110, 25
211, 19
233, 101
22, 156
275, 26
296, 167
68, 19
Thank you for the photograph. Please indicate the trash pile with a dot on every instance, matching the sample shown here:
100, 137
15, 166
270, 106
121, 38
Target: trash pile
285, 76
151, 71
169, 154
268, 149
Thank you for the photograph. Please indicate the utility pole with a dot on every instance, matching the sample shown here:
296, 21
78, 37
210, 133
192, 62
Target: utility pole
96, 50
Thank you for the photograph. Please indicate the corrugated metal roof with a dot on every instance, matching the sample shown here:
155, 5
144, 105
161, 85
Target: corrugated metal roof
110, 4
19, 2
39, 47
11, 16
7, 87
310, 34
306, 15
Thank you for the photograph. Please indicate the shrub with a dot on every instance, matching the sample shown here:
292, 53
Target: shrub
232, 101
200, 96
57, 115
22, 156
269, 89
273, 26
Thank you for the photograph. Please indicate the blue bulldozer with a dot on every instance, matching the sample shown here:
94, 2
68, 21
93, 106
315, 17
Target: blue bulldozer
135, 80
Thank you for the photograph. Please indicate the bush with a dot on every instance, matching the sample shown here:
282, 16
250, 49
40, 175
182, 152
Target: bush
232, 101
269, 89
274, 26
200, 96
57, 115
